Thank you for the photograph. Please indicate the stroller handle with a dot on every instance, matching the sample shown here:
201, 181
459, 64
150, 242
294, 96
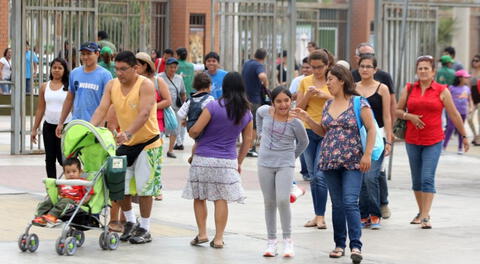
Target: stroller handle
72, 182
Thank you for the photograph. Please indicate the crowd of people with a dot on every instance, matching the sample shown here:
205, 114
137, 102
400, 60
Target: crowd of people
329, 118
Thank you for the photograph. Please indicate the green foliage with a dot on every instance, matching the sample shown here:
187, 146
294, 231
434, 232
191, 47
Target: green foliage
446, 26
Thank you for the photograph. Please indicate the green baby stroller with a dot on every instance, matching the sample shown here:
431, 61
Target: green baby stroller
103, 171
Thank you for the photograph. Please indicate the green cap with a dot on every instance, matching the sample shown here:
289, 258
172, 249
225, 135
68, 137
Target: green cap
446, 59
106, 50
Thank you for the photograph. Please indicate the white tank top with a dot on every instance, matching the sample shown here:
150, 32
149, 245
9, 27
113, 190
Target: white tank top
54, 104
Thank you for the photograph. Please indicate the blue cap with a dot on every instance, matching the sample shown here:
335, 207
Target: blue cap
90, 46
171, 60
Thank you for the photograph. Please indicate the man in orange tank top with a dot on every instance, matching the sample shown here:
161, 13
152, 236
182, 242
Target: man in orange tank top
133, 99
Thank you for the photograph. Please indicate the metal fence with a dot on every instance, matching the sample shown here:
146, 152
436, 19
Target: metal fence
135, 25
420, 36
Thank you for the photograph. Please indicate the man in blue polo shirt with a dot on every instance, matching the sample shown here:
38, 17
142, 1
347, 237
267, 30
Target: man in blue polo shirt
86, 86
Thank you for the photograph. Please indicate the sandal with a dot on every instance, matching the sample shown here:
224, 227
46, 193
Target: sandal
115, 226
213, 245
356, 256
197, 241
337, 253
322, 226
159, 197
426, 223
310, 223
416, 220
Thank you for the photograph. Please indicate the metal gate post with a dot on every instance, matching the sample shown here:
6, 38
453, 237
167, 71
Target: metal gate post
292, 9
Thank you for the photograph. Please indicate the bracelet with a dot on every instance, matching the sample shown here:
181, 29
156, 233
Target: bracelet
404, 115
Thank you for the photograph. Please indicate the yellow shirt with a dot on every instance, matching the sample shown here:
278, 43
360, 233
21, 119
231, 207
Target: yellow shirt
126, 109
315, 105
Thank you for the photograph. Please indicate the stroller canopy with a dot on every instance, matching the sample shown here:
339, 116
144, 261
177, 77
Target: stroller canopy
92, 145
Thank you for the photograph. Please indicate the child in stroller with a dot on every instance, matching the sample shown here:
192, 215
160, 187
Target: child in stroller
69, 196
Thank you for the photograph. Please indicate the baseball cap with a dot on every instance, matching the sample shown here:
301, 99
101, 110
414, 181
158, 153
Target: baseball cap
446, 59
462, 73
142, 56
106, 50
90, 46
171, 60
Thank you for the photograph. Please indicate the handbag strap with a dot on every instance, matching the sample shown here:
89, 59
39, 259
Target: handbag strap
356, 109
178, 93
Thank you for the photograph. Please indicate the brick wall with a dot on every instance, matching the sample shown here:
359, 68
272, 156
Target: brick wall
180, 11
3, 26
362, 15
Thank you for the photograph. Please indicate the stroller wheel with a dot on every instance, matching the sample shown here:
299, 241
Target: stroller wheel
113, 241
80, 237
70, 246
32, 242
60, 246
103, 240
22, 242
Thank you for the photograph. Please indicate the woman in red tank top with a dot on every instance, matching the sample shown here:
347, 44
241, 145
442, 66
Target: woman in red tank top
421, 104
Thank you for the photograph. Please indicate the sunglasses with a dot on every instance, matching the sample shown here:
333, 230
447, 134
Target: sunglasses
425, 57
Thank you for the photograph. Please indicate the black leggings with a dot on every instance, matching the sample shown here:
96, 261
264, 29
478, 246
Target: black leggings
52, 149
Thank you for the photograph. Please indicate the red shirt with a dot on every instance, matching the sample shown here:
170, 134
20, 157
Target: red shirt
75, 192
160, 64
160, 121
430, 107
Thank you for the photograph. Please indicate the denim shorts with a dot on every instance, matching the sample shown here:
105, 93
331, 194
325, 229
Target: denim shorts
423, 164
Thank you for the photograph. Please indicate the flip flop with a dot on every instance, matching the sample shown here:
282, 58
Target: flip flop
335, 253
310, 224
323, 226
426, 223
197, 241
356, 256
213, 245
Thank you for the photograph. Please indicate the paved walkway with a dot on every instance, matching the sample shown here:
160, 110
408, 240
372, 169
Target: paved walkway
455, 237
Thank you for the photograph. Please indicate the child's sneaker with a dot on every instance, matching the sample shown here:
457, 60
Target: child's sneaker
51, 219
288, 249
39, 221
365, 222
271, 250
375, 222
296, 192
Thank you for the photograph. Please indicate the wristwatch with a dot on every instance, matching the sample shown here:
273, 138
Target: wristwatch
128, 134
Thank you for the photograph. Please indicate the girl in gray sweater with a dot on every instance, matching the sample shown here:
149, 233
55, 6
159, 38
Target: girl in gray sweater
283, 139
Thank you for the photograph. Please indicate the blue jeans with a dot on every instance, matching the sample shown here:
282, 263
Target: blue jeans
383, 188
423, 164
5, 88
370, 193
28, 86
344, 186
303, 168
318, 185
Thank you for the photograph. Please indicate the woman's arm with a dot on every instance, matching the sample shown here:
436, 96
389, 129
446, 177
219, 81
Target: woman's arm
454, 115
302, 115
261, 111
367, 119
166, 99
39, 113
247, 137
387, 120
301, 137
401, 107
201, 123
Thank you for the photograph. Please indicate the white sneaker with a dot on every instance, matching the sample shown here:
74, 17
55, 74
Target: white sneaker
288, 248
271, 250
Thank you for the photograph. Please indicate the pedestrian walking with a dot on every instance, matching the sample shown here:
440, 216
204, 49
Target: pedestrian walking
342, 159
31, 59
6, 70
50, 102
421, 104
161, 62
378, 96
475, 91
311, 97
446, 74
103, 41
462, 98
146, 68
85, 88
450, 51
133, 98
177, 91
384, 77
212, 63
215, 171
107, 60
256, 84
282, 139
